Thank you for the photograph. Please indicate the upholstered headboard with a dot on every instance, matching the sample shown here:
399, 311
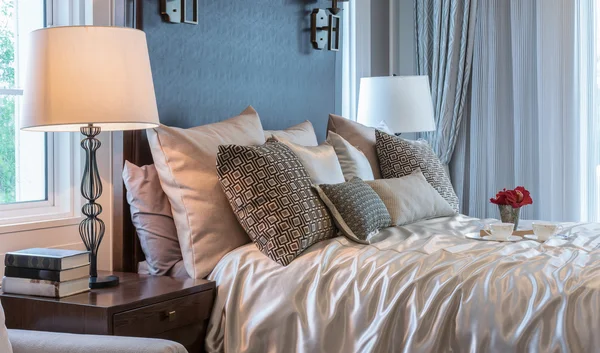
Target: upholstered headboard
241, 53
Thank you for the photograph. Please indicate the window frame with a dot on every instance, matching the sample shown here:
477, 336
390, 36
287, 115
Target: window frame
63, 153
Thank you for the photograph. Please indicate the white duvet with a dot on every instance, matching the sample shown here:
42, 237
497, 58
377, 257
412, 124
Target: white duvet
420, 288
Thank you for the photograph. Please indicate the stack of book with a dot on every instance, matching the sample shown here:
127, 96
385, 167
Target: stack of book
52, 273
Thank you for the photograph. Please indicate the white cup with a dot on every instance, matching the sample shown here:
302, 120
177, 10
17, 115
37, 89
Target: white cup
500, 231
543, 231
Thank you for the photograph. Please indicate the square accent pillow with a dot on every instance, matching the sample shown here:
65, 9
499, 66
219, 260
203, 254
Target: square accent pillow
360, 136
358, 211
399, 157
152, 218
302, 134
5, 345
411, 198
353, 162
185, 160
320, 162
270, 193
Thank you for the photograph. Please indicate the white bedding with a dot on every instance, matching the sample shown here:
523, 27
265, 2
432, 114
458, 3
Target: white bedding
421, 288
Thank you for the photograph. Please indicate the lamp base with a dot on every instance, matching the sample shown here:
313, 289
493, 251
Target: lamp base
104, 282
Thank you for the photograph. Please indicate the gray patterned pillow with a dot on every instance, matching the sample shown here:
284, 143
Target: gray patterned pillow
357, 209
399, 157
270, 193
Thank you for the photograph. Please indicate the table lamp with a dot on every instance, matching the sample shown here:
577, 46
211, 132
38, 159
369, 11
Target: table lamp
403, 103
89, 79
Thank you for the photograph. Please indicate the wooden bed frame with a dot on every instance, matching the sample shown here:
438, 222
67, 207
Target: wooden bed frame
129, 146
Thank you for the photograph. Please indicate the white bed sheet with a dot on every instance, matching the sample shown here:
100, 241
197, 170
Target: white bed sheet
421, 288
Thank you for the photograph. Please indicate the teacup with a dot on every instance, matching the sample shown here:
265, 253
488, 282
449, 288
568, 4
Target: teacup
543, 231
500, 231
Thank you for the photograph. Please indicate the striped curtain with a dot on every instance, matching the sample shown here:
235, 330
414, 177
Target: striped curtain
445, 32
533, 117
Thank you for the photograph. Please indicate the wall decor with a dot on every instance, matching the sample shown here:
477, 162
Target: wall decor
325, 28
176, 11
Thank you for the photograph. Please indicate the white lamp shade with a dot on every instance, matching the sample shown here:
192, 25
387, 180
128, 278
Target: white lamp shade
403, 102
84, 75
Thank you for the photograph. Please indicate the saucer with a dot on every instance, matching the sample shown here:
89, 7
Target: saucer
476, 236
533, 237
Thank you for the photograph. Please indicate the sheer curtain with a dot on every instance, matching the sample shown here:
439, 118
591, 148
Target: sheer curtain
533, 117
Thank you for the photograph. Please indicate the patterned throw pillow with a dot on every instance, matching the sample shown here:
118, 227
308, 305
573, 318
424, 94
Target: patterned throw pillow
357, 209
270, 193
399, 157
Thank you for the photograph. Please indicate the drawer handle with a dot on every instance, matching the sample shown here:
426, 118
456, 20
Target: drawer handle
171, 315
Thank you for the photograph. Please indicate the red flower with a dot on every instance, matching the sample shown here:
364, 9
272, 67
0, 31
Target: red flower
518, 197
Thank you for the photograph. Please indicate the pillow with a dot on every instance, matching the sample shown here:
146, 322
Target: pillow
152, 218
5, 345
302, 134
357, 210
320, 162
358, 135
352, 161
411, 198
185, 161
270, 192
399, 157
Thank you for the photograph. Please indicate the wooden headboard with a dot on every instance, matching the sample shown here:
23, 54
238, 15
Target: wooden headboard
211, 71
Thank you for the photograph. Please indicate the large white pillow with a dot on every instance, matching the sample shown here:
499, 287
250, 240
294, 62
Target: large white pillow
354, 163
5, 345
185, 160
411, 198
301, 134
320, 162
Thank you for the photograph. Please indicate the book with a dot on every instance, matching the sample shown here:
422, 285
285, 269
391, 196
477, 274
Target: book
47, 259
24, 286
48, 275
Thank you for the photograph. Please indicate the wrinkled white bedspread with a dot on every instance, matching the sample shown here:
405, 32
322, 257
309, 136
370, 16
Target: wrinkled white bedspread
421, 288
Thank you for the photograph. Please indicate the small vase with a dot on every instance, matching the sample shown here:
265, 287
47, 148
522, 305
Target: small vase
508, 214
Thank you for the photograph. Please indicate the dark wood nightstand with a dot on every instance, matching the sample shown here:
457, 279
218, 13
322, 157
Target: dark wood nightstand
141, 306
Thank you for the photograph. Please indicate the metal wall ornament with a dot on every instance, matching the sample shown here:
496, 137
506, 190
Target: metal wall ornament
325, 28
176, 11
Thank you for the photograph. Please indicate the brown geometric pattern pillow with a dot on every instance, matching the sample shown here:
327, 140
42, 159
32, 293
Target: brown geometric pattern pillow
356, 207
270, 193
399, 157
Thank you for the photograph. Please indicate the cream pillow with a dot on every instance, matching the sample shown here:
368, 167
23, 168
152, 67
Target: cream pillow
411, 198
5, 346
358, 135
320, 162
301, 134
185, 160
352, 160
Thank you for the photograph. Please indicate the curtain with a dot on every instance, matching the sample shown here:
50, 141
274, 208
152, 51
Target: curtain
445, 37
533, 116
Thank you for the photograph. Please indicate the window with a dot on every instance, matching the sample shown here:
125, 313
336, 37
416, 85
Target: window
22, 175
37, 170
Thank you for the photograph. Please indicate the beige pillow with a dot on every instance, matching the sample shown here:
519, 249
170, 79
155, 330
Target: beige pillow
320, 162
354, 163
301, 134
358, 135
185, 160
411, 198
5, 345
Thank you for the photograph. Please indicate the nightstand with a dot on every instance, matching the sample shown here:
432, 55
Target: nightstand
175, 309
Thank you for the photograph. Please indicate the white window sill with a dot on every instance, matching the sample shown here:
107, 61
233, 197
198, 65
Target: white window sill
37, 225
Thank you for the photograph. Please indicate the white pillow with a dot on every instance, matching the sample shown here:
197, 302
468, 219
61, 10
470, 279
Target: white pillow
186, 160
5, 346
302, 134
320, 162
354, 163
411, 198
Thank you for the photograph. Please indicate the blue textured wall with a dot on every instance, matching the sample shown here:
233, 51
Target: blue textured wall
242, 52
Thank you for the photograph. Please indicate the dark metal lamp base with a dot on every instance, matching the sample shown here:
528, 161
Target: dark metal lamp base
103, 282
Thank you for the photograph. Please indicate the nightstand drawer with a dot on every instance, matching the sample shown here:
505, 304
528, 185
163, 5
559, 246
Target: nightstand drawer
154, 319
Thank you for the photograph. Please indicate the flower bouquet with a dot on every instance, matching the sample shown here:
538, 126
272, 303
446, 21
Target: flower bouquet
510, 202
